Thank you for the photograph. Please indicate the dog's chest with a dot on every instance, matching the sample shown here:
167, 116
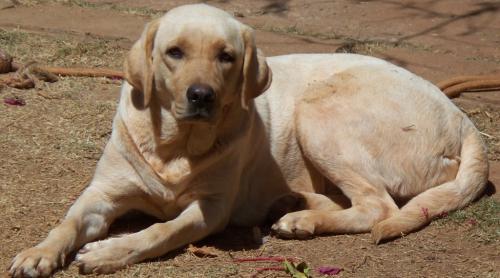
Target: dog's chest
174, 175
174, 171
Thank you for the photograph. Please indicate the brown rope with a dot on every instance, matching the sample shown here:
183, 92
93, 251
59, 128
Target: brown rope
23, 72
87, 72
481, 84
78, 72
452, 87
461, 79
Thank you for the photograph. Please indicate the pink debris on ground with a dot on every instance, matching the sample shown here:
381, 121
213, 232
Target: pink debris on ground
443, 214
472, 221
328, 270
14, 101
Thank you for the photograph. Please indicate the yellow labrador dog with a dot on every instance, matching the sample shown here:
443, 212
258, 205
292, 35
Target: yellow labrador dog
192, 147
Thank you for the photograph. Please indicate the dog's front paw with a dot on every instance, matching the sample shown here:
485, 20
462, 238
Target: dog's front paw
35, 262
298, 224
105, 256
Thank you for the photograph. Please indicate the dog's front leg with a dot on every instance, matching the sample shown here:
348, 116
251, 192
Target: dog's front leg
89, 218
198, 220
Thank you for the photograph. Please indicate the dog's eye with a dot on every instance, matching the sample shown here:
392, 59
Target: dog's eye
175, 53
225, 57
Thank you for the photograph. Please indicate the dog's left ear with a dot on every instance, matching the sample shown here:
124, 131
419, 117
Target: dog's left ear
257, 76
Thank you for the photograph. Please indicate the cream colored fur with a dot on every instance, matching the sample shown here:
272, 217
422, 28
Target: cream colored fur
365, 132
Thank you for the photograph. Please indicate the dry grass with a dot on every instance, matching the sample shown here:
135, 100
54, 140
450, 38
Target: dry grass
481, 220
376, 47
294, 30
66, 105
49, 148
486, 119
346, 43
63, 49
103, 5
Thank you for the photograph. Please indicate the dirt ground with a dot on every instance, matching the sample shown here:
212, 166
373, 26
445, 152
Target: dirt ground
49, 147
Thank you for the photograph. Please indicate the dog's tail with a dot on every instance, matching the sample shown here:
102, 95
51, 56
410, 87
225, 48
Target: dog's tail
469, 183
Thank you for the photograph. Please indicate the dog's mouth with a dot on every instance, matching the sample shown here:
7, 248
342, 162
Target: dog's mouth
194, 114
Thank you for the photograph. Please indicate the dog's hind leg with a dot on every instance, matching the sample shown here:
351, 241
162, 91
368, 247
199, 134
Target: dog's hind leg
338, 157
369, 206
469, 183
369, 203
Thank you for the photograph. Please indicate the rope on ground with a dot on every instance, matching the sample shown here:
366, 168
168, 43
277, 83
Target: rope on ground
453, 87
25, 75
83, 72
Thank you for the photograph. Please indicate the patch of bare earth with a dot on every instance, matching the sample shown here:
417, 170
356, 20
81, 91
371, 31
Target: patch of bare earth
49, 148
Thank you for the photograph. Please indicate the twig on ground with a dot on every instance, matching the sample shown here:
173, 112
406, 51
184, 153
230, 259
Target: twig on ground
22, 118
264, 259
270, 268
487, 135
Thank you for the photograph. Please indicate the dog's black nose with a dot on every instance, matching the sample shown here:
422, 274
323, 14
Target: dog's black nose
200, 95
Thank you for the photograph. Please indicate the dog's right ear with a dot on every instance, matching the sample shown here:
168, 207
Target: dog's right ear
139, 63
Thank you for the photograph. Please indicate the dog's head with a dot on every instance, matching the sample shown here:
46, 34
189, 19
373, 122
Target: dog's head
197, 60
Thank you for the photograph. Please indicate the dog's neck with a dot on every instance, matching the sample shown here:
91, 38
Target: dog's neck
160, 137
185, 139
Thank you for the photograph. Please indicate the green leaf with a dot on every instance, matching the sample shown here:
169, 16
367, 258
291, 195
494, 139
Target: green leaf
300, 270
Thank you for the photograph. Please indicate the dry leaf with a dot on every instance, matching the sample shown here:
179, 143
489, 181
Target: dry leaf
204, 251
